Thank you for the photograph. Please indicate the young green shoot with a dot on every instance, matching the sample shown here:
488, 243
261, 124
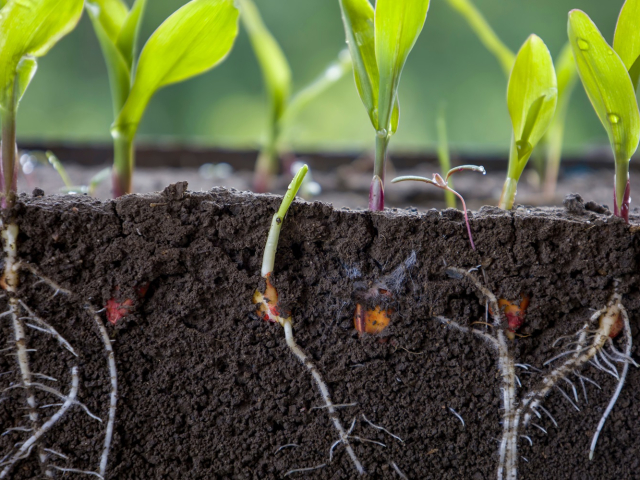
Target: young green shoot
283, 109
610, 88
380, 41
532, 95
269, 310
444, 157
567, 77
443, 183
193, 40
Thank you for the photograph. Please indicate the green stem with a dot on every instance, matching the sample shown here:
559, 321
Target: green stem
444, 158
9, 173
621, 200
268, 162
510, 187
123, 163
376, 191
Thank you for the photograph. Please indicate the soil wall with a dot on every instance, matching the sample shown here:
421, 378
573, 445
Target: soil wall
207, 390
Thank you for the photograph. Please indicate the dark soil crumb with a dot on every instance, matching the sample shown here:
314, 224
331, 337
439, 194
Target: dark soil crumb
208, 391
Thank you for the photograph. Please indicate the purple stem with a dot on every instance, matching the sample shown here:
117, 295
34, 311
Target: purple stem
376, 195
623, 211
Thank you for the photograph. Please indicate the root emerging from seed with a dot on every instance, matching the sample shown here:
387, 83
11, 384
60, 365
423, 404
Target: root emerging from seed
589, 347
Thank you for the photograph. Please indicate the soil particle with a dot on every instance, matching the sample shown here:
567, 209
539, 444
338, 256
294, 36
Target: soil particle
209, 391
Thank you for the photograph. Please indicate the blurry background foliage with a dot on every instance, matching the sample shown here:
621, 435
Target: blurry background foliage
69, 99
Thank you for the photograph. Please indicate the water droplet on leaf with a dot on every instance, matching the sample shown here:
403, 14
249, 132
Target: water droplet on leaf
382, 133
614, 118
583, 44
524, 148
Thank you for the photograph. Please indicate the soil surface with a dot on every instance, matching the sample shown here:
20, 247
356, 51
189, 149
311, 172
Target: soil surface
207, 390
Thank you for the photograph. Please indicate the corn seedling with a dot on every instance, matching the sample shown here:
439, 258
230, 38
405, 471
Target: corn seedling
30, 30
193, 40
592, 344
443, 183
380, 42
532, 95
277, 79
610, 80
269, 310
566, 72
69, 187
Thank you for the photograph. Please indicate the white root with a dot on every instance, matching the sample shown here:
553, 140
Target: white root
457, 416
377, 427
26, 447
623, 377
113, 396
302, 470
588, 348
324, 391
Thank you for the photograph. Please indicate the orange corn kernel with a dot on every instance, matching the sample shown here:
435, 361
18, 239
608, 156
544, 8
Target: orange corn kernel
371, 321
515, 313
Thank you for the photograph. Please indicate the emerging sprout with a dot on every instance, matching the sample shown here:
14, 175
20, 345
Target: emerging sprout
277, 78
566, 73
606, 79
444, 157
28, 31
443, 183
532, 95
193, 40
380, 42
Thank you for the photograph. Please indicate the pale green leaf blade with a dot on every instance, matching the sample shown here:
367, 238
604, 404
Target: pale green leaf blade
110, 13
358, 19
485, 33
532, 95
332, 74
395, 117
626, 41
607, 83
117, 68
31, 28
24, 74
196, 38
398, 24
128, 37
273, 63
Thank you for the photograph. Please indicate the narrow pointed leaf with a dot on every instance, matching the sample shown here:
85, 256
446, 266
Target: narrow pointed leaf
398, 24
24, 74
127, 40
332, 74
31, 29
273, 63
111, 14
117, 68
532, 95
626, 41
358, 18
193, 40
485, 33
607, 83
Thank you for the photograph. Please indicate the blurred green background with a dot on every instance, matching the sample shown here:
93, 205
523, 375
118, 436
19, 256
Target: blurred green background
69, 98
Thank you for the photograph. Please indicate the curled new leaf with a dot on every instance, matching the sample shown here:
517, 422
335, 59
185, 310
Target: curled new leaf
531, 96
193, 40
398, 24
607, 83
358, 18
31, 29
626, 41
273, 63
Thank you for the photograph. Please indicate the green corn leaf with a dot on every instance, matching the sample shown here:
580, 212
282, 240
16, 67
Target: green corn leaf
273, 63
485, 33
127, 40
626, 41
358, 17
332, 74
398, 24
193, 40
111, 14
607, 83
118, 69
31, 28
532, 95
25, 72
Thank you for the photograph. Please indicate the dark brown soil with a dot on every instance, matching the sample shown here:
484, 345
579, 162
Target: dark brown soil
209, 391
